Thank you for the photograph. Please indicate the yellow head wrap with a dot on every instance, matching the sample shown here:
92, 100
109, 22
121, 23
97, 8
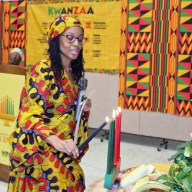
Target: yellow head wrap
61, 24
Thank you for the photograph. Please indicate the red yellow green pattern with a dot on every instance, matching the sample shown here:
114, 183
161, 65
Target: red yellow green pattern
184, 75
159, 32
47, 107
138, 55
61, 24
158, 57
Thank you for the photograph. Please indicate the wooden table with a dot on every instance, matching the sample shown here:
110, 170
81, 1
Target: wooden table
98, 184
4, 173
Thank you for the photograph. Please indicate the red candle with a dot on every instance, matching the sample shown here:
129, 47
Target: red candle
120, 119
117, 133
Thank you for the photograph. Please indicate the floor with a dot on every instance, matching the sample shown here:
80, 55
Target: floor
135, 150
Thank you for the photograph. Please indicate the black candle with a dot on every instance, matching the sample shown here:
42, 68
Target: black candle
83, 145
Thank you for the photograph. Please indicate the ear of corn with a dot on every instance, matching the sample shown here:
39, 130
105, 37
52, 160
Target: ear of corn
151, 169
142, 180
146, 185
134, 176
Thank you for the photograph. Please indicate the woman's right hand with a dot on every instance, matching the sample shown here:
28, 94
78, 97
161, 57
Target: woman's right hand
66, 146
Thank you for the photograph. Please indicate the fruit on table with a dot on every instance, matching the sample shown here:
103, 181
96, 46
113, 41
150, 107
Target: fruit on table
146, 185
137, 173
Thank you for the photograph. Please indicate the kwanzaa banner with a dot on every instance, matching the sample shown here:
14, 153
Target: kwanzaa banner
101, 21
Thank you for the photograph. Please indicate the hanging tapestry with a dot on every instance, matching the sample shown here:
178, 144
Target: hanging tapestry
12, 27
156, 74
155, 51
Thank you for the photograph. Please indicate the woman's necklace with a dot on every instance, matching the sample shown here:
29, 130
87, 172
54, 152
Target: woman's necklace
67, 69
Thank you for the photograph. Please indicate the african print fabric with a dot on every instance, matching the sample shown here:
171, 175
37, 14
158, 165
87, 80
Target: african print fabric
155, 51
47, 108
12, 27
155, 62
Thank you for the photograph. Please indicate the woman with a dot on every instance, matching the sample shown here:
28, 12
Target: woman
44, 156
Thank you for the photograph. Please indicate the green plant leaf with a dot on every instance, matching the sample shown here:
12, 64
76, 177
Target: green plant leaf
184, 173
182, 164
188, 150
162, 179
187, 184
180, 174
172, 171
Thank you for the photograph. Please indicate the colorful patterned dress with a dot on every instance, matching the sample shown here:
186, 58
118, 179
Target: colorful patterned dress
47, 107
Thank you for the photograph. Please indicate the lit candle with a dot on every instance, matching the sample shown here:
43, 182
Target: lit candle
110, 155
113, 139
117, 141
120, 119
109, 168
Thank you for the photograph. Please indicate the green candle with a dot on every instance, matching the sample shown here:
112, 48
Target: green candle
109, 167
110, 156
113, 139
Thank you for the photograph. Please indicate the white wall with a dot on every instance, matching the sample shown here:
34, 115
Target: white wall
105, 99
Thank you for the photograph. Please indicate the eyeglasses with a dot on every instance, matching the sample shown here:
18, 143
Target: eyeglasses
72, 38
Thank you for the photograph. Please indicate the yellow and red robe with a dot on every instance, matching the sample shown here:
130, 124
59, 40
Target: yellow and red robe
47, 107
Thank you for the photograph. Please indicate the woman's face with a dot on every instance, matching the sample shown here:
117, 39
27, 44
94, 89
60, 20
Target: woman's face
69, 43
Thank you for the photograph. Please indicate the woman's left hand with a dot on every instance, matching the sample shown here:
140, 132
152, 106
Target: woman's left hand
87, 105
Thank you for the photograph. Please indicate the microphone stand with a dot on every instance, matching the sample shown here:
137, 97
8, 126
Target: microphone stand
82, 85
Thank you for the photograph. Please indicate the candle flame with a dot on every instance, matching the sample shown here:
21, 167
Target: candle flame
107, 119
119, 109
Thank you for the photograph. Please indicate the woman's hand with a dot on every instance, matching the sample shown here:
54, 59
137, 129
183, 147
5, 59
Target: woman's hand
87, 105
66, 146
